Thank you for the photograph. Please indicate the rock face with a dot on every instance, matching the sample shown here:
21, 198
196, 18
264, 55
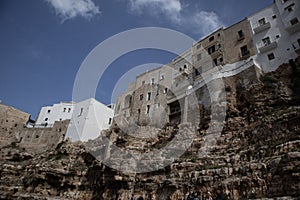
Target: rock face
257, 155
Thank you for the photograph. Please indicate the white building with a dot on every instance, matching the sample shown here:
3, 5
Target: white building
57, 112
87, 117
275, 32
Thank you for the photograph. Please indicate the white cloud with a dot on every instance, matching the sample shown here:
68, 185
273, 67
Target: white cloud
200, 22
68, 9
170, 8
203, 22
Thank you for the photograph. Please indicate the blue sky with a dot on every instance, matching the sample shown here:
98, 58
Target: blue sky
44, 42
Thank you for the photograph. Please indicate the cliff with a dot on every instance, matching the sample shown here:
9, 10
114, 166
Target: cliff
257, 155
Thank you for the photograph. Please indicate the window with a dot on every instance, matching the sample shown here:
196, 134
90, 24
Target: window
271, 56
180, 69
69, 110
64, 110
294, 21
149, 96
184, 66
211, 38
241, 34
211, 49
165, 90
143, 82
215, 61
290, 8
277, 36
198, 46
244, 50
148, 109
109, 121
48, 111
274, 16
284, 1
266, 41
152, 81
81, 111
221, 59
262, 21
141, 97
46, 119
197, 71
60, 119
219, 34
199, 56
162, 77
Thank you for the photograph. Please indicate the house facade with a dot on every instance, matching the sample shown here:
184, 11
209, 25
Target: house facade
260, 42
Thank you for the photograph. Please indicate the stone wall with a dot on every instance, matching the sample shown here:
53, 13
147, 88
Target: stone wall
11, 120
37, 140
234, 41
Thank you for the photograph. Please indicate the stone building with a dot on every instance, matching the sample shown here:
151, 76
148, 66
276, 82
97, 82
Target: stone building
238, 44
261, 42
145, 101
41, 139
14, 130
11, 120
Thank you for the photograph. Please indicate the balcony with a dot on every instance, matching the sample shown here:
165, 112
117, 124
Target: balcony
244, 55
216, 53
296, 46
293, 28
183, 72
259, 27
267, 46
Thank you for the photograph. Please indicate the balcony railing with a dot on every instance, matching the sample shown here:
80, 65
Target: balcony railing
259, 27
267, 46
293, 28
296, 46
244, 55
182, 72
218, 52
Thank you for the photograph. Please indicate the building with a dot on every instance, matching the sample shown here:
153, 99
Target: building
260, 42
145, 100
275, 33
11, 120
57, 112
87, 118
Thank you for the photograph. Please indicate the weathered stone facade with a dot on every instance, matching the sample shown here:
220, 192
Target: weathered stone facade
38, 140
145, 102
11, 120
14, 131
238, 44
224, 46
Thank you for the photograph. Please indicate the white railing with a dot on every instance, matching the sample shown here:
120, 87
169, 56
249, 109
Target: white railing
222, 74
266, 44
296, 45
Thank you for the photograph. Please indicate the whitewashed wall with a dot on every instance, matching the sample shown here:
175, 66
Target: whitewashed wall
278, 35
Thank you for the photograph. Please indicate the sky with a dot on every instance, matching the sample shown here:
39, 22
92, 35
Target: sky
44, 42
